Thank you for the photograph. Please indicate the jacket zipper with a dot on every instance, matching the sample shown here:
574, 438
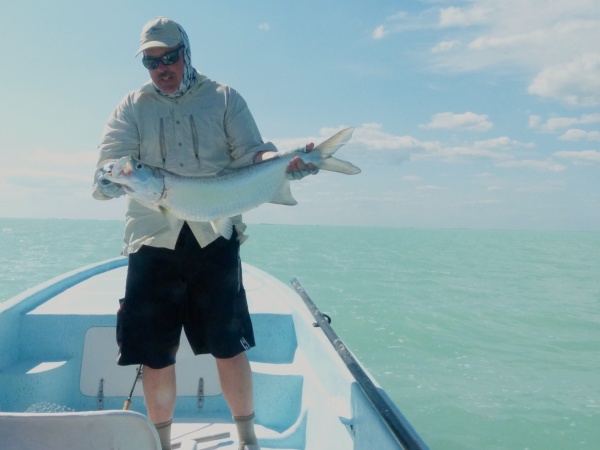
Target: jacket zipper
195, 143
163, 147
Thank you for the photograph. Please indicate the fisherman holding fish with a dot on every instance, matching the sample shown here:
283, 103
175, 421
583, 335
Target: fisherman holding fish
188, 154
183, 273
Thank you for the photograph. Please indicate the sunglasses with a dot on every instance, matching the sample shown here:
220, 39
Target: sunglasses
166, 60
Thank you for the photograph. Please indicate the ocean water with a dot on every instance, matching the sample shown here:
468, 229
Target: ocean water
484, 339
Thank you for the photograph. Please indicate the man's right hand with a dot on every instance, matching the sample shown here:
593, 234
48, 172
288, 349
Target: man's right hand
104, 185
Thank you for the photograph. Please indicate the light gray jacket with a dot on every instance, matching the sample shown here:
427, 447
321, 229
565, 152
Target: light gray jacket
206, 130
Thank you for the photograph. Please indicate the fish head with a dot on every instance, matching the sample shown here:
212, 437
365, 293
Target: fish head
141, 181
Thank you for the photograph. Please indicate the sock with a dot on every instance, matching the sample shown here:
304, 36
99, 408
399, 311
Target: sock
164, 433
245, 429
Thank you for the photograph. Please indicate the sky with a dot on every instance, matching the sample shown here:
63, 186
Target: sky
480, 114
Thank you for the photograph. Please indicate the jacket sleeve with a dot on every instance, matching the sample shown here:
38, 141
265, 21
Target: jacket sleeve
119, 138
243, 135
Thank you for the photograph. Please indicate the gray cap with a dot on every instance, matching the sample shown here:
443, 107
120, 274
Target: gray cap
160, 32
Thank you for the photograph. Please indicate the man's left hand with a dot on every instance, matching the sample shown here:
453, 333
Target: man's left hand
298, 169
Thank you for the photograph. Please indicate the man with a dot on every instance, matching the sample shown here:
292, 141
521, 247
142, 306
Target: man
184, 276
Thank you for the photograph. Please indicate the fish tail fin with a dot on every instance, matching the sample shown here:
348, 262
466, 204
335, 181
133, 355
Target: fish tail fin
327, 148
338, 165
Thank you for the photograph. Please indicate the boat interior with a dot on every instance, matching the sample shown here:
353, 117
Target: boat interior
58, 356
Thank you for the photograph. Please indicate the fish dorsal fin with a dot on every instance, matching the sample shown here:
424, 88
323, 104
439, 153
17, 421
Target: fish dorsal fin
223, 226
284, 195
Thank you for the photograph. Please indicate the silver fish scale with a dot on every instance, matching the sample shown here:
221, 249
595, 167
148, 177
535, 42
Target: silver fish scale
205, 199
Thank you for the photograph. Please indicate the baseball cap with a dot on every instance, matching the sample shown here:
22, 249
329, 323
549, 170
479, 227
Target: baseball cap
160, 32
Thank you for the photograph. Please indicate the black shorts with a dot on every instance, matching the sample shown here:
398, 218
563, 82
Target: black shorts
199, 289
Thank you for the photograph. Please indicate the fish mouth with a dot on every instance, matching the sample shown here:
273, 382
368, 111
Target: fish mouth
122, 167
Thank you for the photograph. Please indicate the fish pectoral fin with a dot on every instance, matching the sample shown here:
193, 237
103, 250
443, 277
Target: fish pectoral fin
170, 218
284, 195
223, 226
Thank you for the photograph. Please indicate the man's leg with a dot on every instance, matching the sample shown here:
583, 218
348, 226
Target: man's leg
236, 382
160, 393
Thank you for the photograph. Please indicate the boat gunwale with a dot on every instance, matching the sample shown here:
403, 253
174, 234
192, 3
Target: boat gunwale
397, 424
39, 294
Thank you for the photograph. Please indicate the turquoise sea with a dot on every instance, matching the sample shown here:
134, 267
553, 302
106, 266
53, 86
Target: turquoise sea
484, 339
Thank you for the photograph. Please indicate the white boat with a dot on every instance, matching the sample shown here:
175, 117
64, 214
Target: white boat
60, 387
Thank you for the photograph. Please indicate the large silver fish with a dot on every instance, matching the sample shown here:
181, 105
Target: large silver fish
217, 198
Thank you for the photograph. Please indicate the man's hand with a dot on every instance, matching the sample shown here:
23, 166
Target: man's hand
104, 185
297, 169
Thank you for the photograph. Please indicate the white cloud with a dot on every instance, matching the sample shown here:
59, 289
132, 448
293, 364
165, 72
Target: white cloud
43, 156
369, 136
555, 124
397, 16
502, 142
465, 121
463, 17
498, 149
379, 32
264, 26
545, 187
580, 135
462, 153
583, 157
398, 148
543, 166
389, 148
445, 46
49, 184
397, 23
428, 188
43, 171
534, 121
575, 83
372, 136
51, 163
532, 33
556, 43
492, 43
478, 202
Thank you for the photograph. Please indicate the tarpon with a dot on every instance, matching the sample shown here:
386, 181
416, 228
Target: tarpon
217, 198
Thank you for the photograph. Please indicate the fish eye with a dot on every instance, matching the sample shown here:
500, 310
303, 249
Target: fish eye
139, 166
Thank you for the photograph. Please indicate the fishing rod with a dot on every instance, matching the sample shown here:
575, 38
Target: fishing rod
127, 403
400, 428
